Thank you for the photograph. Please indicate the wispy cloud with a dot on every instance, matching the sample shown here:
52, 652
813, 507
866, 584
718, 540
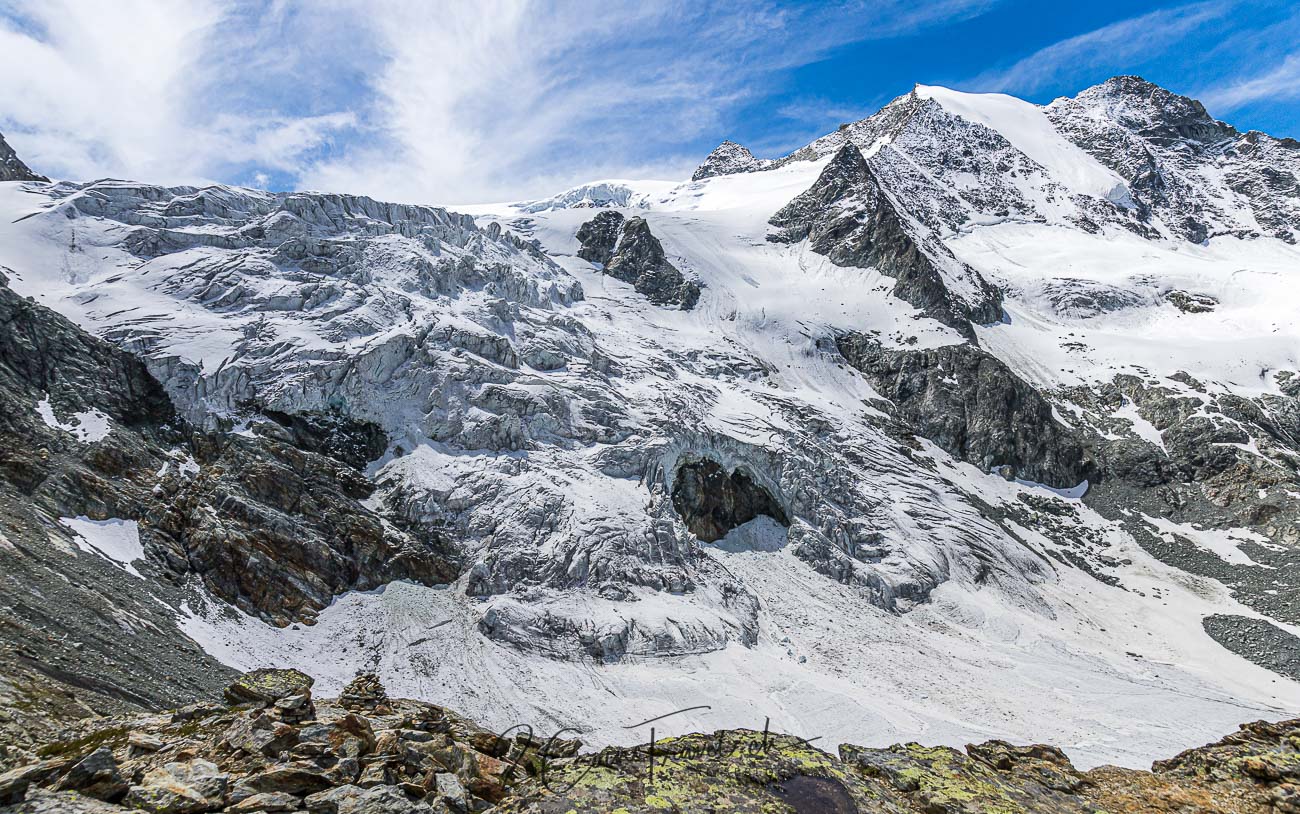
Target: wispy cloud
407, 100
1277, 84
522, 98
125, 89
1110, 48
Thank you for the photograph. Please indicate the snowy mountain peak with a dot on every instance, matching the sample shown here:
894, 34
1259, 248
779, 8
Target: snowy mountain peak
1192, 176
1123, 155
594, 195
1028, 129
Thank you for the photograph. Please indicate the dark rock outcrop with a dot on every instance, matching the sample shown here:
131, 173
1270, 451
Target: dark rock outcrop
291, 532
629, 252
712, 502
599, 236
275, 528
347, 440
847, 216
974, 407
12, 167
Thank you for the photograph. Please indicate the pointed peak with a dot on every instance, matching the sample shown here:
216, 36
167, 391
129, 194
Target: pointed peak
11, 166
728, 158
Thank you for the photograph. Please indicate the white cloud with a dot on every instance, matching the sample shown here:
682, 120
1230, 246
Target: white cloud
1110, 49
95, 89
1277, 84
441, 102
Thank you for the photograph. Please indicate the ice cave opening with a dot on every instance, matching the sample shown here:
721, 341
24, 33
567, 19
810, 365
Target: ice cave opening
712, 502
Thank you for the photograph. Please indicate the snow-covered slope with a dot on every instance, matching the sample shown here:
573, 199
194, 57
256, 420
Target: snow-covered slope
994, 447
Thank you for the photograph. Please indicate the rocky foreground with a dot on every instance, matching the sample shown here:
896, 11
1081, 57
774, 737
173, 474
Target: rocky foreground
270, 748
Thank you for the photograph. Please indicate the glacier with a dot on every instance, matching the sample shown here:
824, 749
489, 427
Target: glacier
538, 413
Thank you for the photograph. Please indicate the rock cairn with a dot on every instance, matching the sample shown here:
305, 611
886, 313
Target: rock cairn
365, 694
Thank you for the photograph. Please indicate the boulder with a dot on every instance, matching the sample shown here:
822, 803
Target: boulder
181, 788
14, 783
266, 686
96, 775
267, 801
291, 778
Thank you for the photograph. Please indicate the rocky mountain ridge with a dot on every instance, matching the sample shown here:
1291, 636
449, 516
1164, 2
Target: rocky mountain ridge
1174, 169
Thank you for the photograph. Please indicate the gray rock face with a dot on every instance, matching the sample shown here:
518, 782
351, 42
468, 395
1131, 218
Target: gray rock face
599, 237
11, 166
1218, 461
971, 404
629, 252
847, 216
728, 158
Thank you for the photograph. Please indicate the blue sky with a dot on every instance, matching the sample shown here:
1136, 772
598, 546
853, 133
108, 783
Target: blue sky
461, 102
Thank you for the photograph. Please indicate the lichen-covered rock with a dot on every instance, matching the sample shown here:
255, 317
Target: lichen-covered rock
180, 788
266, 686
